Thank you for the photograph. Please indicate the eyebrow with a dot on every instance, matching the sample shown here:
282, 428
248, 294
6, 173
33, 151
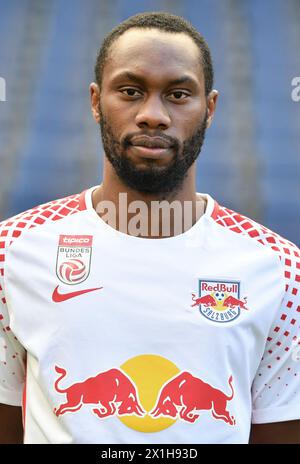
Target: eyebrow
127, 75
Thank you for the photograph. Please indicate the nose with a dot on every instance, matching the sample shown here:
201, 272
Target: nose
153, 114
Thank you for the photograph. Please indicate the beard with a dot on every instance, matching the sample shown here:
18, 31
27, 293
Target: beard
159, 180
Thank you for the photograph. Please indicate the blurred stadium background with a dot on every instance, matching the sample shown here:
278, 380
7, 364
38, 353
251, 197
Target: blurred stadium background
50, 146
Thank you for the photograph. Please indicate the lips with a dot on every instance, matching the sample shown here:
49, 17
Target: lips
150, 142
146, 152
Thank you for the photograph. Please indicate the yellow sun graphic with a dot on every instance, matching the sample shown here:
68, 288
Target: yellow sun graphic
149, 372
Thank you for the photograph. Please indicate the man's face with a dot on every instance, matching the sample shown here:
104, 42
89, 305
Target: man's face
152, 105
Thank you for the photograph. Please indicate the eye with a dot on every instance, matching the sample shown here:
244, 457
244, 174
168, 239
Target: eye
178, 92
129, 90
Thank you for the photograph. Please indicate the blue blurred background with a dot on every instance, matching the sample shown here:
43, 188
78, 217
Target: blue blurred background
50, 146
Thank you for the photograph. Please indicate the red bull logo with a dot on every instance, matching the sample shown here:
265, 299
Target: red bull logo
112, 391
219, 301
185, 394
147, 393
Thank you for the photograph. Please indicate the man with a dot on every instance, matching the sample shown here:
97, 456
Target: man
112, 336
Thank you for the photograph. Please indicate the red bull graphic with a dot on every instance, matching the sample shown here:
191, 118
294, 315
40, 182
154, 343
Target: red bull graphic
112, 391
219, 301
141, 401
185, 394
231, 302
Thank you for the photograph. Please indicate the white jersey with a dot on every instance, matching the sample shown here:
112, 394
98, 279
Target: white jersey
112, 338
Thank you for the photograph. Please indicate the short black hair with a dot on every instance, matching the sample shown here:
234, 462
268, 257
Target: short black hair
158, 20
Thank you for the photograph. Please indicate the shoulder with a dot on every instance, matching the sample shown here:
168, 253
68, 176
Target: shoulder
37, 217
237, 223
287, 255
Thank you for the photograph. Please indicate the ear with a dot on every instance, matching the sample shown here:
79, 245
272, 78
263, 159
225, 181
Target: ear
95, 101
211, 106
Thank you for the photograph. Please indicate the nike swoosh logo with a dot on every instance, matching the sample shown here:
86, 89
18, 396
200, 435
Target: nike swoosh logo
60, 297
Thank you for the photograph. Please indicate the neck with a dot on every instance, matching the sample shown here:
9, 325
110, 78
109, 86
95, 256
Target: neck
148, 215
